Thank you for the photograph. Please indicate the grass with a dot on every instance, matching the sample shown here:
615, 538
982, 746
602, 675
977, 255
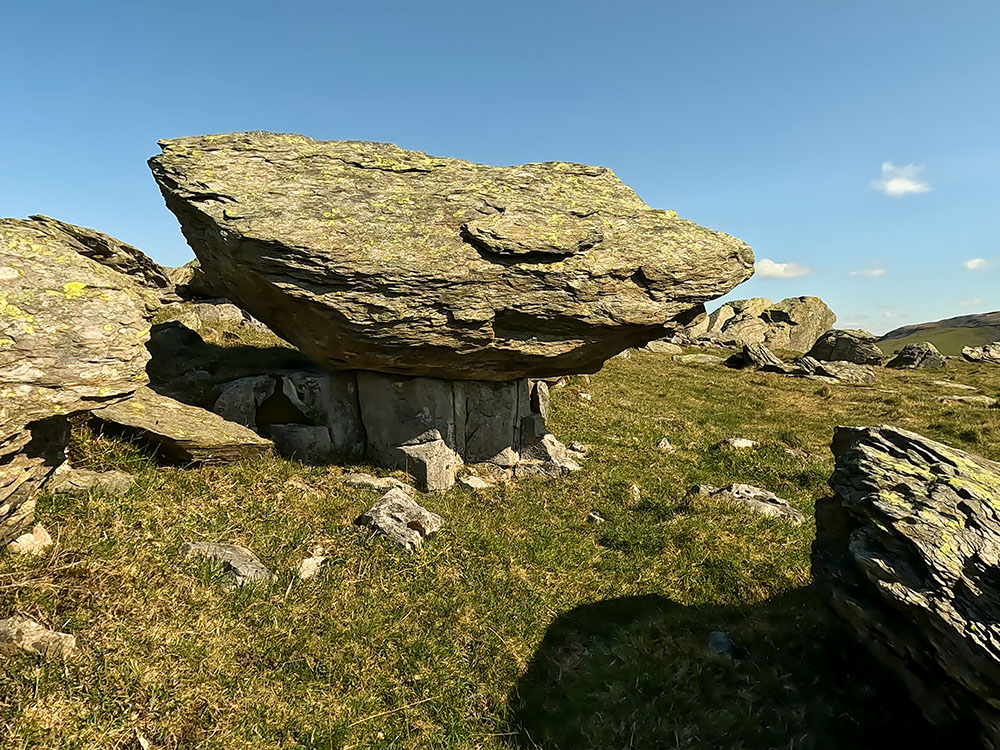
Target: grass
949, 340
519, 626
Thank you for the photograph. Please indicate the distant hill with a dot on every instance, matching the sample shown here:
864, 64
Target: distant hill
948, 335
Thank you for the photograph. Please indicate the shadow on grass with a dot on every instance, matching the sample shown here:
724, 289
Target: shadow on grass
637, 672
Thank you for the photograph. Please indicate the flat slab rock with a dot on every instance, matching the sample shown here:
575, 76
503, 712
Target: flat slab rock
245, 566
67, 479
372, 257
185, 433
907, 552
400, 519
754, 498
20, 633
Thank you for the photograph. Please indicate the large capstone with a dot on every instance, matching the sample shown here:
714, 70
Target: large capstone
72, 334
907, 552
370, 257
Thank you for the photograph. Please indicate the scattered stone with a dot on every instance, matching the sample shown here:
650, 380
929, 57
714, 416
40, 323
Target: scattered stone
663, 347
635, 493
720, 643
313, 562
595, 517
699, 359
665, 446
584, 396
553, 454
952, 384
797, 453
20, 633
917, 356
241, 562
473, 482
738, 443
184, 433
971, 400
380, 484
578, 448
751, 497
626, 354
989, 353
33, 543
793, 324
66, 479
848, 345
397, 517
907, 553
474, 293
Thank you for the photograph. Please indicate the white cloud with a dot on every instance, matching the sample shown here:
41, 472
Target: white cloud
768, 269
869, 272
973, 302
897, 181
890, 315
975, 264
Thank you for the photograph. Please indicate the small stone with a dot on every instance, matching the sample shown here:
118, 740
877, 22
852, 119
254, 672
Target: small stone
579, 448
665, 446
312, 563
20, 633
380, 484
66, 480
972, 400
473, 482
584, 396
635, 493
752, 497
33, 543
241, 562
663, 347
595, 517
401, 520
951, 384
720, 643
739, 443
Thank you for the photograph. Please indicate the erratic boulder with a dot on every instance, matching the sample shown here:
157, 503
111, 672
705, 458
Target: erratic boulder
989, 353
370, 257
908, 553
922, 356
72, 334
847, 345
793, 324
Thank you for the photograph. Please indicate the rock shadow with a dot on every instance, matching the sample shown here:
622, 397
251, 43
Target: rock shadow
637, 672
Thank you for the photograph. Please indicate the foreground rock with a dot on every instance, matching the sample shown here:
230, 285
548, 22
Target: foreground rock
793, 324
842, 372
990, 353
401, 520
183, 433
244, 565
72, 334
754, 498
34, 542
922, 356
908, 553
847, 345
20, 633
376, 258
66, 480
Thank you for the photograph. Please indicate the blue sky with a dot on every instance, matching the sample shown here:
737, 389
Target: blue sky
858, 141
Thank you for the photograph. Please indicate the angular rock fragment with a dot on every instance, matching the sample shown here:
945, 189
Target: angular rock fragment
313, 562
973, 400
738, 443
917, 356
844, 372
245, 566
989, 353
665, 446
472, 482
847, 345
184, 433
33, 543
401, 520
663, 347
376, 258
112, 482
751, 497
759, 357
20, 633
907, 552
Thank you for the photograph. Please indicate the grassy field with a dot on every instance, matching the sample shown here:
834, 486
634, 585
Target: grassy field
949, 341
519, 626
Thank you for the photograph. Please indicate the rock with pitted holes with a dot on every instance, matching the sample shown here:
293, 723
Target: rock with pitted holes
907, 552
72, 338
370, 257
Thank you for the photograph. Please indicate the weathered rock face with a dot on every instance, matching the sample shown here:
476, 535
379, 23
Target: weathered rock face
917, 356
793, 324
989, 353
847, 345
908, 553
72, 334
370, 257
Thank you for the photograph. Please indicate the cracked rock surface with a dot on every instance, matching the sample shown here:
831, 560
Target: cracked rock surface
399, 518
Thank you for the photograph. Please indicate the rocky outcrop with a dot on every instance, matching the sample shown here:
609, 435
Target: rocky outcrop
72, 334
908, 553
793, 324
923, 356
847, 345
370, 257
182, 433
989, 353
